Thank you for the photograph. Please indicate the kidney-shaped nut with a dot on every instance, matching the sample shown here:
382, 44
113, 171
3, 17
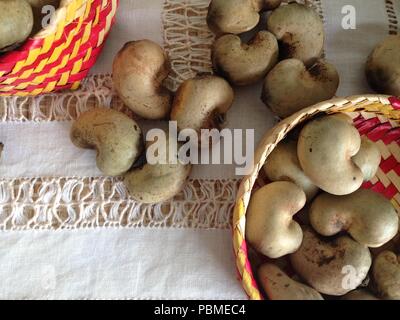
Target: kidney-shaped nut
16, 22
139, 70
299, 30
325, 149
283, 165
244, 64
386, 275
278, 286
368, 158
116, 137
366, 215
237, 16
159, 181
270, 228
331, 267
290, 86
359, 294
200, 102
383, 66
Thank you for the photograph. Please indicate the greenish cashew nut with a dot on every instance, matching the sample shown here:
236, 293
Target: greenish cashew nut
383, 66
279, 286
270, 227
325, 149
366, 215
116, 137
139, 70
291, 86
16, 23
237, 16
283, 165
322, 262
386, 275
159, 182
244, 64
200, 102
299, 30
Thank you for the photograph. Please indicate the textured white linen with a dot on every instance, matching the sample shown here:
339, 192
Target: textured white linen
118, 264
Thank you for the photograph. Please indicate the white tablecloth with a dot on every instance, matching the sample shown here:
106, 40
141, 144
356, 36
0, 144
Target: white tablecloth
68, 232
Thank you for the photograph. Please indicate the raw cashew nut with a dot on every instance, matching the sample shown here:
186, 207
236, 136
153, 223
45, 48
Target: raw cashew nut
16, 22
291, 86
154, 183
279, 286
116, 137
270, 228
244, 64
333, 267
199, 102
139, 70
237, 16
325, 149
383, 66
366, 215
283, 165
368, 158
386, 274
299, 30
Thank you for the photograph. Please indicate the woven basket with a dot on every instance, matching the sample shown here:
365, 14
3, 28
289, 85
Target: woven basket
59, 56
377, 117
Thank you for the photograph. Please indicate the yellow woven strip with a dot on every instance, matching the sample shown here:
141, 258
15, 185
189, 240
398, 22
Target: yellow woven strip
88, 54
36, 92
26, 74
41, 66
56, 54
96, 17
75, 85
88, 9
22, 86
2, 73
32, 56
76, 49
9, 80
64, 79
47, 44
39, 79
50, 86
101, 38
18, 66
77, 67
86, 34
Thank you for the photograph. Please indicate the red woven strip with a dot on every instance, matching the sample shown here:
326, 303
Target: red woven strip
395, 102
367, 125
379, 131
390, 192
388, 164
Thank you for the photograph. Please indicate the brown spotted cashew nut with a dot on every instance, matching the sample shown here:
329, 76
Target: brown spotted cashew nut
283, 164
116, 137
16, 22
139, 70
386, 275
291, 86
299, 30
270, 228
237, 16
368, 158
278, 286
359, 294
333, 267
244, 64
325, 149
367, 216
159, 182
200, 102
383, 66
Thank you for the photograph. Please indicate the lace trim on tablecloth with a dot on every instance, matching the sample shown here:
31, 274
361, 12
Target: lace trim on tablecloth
76, 202
392, 16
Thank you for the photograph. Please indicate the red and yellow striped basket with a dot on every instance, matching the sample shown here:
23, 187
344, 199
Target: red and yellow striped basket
377, 117
59, 56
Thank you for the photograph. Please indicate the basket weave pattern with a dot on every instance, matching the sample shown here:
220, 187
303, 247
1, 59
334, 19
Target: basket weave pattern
60, 56
377, 117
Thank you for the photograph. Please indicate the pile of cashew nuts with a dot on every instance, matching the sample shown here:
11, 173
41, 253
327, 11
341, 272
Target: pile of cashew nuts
336, 235
314, 210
